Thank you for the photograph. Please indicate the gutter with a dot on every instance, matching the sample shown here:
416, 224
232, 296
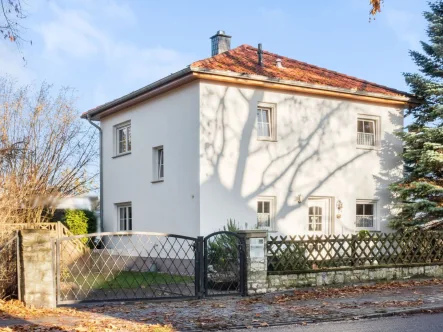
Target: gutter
402, 97
88, 117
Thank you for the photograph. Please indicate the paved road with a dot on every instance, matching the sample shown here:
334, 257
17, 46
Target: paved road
415, 323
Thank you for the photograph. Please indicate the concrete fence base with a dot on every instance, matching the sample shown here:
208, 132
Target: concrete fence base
352, 276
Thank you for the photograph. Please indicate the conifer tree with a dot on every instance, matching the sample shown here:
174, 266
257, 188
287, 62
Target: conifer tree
420, 193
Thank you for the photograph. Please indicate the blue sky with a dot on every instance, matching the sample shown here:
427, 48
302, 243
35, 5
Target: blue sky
107, 48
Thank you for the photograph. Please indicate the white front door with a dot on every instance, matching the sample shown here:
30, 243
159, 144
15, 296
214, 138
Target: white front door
319, 216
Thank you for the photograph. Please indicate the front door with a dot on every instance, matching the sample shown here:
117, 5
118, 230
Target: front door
319, 216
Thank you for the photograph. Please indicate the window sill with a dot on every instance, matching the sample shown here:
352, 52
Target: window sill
125, 235
121, 155
368, 147
158, 181
269, 230
264, 139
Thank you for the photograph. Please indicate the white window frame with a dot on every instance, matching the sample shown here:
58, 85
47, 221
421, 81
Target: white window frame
377, 131
374, 214
315, 223
271, 108
271, 200
126, 208
158, 164
126, 127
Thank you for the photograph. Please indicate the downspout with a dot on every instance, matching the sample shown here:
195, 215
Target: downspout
101, 171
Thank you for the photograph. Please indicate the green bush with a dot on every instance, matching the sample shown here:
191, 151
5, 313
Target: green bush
80, 222
363, 234
223, 249
92, 221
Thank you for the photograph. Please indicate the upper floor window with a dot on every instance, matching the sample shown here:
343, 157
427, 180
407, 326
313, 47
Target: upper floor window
266, 124
124, 216
123, 138
265, 212
366, 132
158, 163
365, 215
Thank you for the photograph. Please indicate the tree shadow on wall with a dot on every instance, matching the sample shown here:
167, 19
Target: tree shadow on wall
391, 168
237, 168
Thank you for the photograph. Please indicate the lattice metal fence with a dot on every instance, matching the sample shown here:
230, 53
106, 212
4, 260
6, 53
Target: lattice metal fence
9, 268
125, 266
310, 253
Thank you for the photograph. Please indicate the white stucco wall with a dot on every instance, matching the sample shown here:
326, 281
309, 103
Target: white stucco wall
171, 206
315, 155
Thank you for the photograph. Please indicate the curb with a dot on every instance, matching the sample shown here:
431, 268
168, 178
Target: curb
344, 319
401, 312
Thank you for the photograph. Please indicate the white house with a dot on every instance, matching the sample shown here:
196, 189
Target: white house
253, 136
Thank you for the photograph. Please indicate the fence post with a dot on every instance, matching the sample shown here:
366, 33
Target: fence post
36, 268
199, 268
256, 261
243, 270
19, 290
354, 250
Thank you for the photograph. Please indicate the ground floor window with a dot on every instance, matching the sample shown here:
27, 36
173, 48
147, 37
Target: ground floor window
265, 212
365, 214
315, 219
125, 216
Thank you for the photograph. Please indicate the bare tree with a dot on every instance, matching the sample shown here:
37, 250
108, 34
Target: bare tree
12, 13
46, 151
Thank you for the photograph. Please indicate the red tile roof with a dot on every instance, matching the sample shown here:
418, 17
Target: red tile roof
244, 60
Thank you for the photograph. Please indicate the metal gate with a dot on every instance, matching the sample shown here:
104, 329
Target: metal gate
125, 266
143, 265
224, 264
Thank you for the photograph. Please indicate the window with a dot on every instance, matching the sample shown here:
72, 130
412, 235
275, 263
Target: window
158, 163
265, 213
365, 215
315, 222
123, 138
266, 122
124, 217
366, 132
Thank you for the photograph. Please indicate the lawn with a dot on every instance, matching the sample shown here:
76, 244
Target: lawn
129, 280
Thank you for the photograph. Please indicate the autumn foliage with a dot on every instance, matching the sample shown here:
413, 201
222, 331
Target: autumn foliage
46, 151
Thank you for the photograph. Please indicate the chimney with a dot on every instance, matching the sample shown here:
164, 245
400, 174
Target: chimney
278, 63
260, 55
220, 43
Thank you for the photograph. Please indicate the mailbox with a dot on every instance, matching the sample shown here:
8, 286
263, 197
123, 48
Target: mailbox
257, 247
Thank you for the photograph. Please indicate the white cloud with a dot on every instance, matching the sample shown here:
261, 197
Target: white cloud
119, 13
404, 25
116, 10
13, 65
72, 34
